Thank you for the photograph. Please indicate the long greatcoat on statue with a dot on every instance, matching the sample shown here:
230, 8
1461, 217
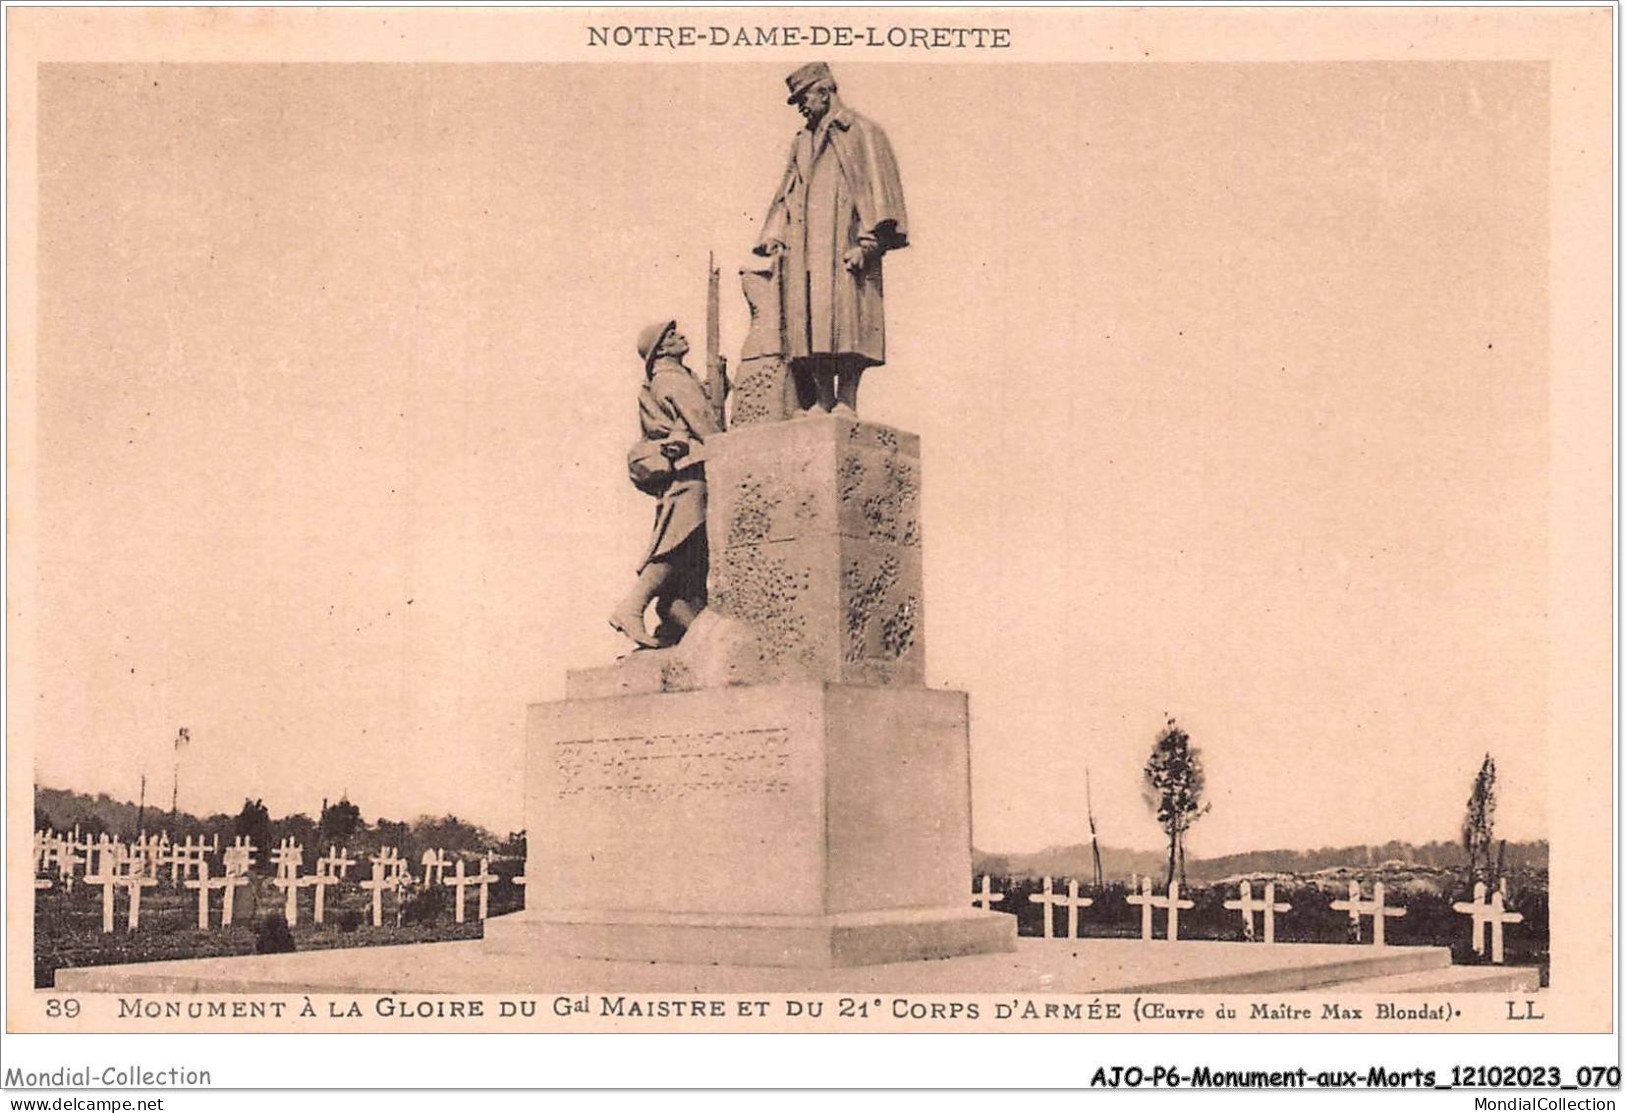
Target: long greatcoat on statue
841, 184
673, 404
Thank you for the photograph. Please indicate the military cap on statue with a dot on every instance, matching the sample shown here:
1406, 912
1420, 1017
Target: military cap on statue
649, 341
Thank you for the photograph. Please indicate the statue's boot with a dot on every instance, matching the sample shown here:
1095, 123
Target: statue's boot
630, 623
846, 391
824, 379
627, 618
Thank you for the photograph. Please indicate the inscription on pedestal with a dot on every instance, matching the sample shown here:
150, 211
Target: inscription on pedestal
713, 763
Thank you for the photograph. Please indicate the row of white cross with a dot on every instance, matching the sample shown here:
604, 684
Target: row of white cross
1491, 914
63, 854
148, 854
117, 867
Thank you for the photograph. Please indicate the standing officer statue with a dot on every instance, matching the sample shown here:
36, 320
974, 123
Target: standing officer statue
837, 212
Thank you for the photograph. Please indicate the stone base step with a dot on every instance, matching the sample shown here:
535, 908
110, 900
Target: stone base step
1372, 962
1453, 979
833, 941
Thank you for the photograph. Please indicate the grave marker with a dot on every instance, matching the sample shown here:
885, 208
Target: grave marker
1247, 906
1071, 902
319, 882
434, 864
107, 879
109, 855
135, 882
1171, 903
228, 885
185, 860
1494, 915
460, 880
384, 876
67, 858
335, 865
1375, 908
288, 857
239, 857
290, 883
983, 900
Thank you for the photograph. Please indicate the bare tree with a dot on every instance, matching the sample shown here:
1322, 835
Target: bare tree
1173, 790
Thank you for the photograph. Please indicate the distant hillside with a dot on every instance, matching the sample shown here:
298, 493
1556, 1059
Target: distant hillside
62, 809
1119, 864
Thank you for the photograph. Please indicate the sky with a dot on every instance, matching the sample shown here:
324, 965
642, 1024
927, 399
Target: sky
1231, 381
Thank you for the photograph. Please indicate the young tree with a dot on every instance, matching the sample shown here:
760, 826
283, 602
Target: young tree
1173, 790
1478, 827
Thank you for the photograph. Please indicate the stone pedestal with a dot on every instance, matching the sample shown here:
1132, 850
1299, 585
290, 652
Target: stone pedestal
784, 825
816, 565
779, 789
815, 544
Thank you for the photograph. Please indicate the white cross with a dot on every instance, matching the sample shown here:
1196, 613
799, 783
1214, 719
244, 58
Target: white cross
319, 882
42, 846
160, 853
239, 856
394, 865
228, 886
434, 864
1247, 906
986, 898
289, 881
67, 858
1071, 902
108, 856
383, 877
201, 884
142, 848
377, 884
1374, 908
185, 860
135, 882
483, 879
1171, 902
288, 856
1492, 913
43, 883
335, 865
176, 858
107, 878
50, 849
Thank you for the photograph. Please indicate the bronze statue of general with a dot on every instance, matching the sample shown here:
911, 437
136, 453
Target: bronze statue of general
838, 210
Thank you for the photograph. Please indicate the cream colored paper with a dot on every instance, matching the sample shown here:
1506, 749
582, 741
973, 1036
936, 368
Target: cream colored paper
1260, 360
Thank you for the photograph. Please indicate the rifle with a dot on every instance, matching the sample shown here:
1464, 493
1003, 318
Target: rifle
716, 365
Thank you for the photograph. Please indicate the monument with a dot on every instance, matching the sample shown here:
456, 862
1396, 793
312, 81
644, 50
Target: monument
778, 787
